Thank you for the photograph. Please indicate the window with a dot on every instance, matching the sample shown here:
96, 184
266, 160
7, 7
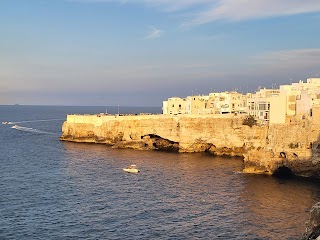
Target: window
262, 106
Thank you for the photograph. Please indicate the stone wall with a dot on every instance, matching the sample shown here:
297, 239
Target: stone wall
266, 148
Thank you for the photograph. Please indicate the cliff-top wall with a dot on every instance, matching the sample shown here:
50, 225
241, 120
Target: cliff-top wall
265, 148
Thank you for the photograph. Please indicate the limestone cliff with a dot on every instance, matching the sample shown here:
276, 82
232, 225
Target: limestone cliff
266, 149
292, 147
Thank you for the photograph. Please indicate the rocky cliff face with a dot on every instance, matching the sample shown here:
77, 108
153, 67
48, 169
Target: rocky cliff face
219, 136
289, 148
276, 149
313, 226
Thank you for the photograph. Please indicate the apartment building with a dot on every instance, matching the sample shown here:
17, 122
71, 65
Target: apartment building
273, 105
295, 99
258, 104
175, 105
214, 103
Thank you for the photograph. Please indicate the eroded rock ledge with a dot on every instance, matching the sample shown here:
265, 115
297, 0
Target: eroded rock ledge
267, 149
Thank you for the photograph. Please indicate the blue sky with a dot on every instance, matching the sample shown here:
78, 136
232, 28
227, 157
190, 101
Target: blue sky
140, 52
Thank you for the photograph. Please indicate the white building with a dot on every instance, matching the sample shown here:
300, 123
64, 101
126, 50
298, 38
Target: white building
258, 103
214, 103
273, 105
306, 100
295, 99
174, 105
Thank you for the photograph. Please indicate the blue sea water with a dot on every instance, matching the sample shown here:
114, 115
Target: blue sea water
59, 190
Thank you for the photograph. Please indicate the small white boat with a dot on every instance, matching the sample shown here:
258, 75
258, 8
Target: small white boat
131, 169
5, 122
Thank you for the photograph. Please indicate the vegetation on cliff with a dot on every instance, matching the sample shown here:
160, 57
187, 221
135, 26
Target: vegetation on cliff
249, 121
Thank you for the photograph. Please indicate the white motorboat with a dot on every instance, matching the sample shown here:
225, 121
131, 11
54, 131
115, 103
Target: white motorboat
131, 169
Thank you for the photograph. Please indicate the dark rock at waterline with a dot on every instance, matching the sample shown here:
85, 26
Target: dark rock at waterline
313, 226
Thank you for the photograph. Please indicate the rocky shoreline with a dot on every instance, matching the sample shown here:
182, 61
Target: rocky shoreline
313, 226
267, 149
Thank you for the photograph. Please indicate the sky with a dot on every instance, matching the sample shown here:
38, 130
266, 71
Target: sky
140, 52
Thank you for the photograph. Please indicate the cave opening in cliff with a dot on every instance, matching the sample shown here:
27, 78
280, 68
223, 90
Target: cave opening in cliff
163, 144
283, 172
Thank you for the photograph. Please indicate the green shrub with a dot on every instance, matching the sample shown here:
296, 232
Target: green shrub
249, 121
293, 145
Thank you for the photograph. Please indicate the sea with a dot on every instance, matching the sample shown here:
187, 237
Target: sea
50, 189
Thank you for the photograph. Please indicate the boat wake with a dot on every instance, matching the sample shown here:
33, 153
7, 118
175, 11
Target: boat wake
30, 121
32, 130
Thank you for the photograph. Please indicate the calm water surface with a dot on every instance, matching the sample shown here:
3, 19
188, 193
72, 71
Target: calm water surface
59, 190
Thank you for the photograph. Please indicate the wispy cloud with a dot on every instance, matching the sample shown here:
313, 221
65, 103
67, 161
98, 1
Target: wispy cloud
154, 33
177, 5
238, 10
225, 10
166, 5
309, 55
298, 61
